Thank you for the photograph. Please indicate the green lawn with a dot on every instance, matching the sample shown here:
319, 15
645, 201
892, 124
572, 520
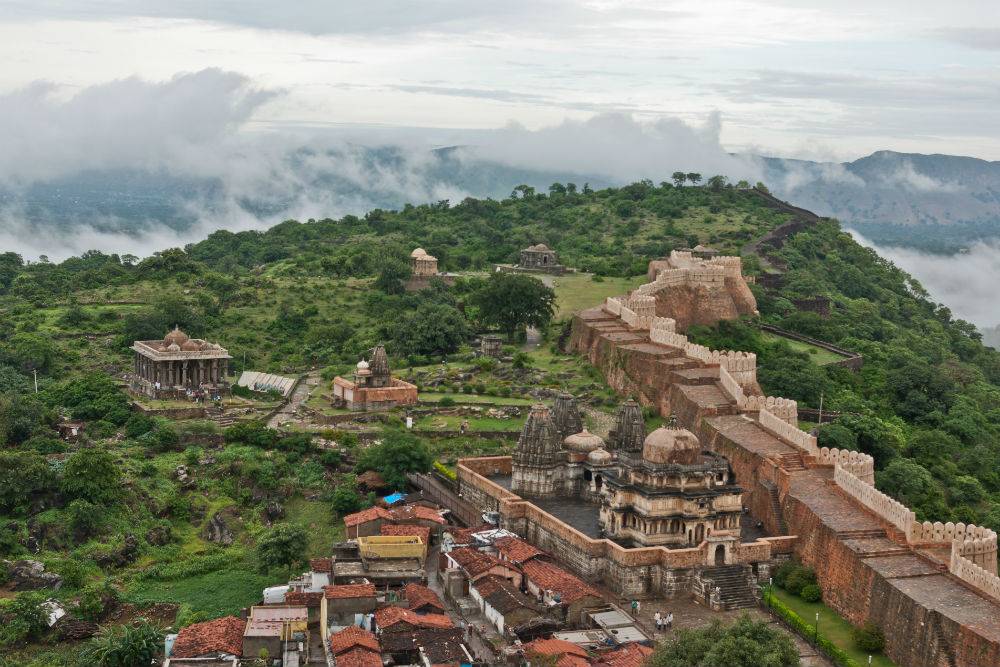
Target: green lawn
578, 291
831, 625
434, 397
817, 354
214, 593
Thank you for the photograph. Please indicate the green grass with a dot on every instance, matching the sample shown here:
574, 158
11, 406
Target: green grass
578, 291
433, 423
214, 594
322, 524
434, 397
818, 355
831, 625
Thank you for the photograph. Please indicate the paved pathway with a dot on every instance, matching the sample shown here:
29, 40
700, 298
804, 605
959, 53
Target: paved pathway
303, 390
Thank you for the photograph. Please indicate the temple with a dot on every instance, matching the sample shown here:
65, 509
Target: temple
424, 269
178, 364
541, 258
373, 387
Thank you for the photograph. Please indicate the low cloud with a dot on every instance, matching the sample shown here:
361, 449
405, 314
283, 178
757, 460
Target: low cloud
907, 177
965, 282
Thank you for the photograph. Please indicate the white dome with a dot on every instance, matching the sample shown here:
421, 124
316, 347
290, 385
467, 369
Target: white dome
599, 456
584, 442
362, 365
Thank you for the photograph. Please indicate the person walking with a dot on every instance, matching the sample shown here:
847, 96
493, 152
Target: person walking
670, 620
658, 621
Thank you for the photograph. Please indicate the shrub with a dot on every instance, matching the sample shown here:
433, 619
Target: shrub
23, 618
869, 638
466, 388
124, 645
480, 388
446, 401
799, 578
811, 593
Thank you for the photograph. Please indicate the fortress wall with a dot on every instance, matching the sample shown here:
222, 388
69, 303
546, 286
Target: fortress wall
787, 432
860, 465
882, 505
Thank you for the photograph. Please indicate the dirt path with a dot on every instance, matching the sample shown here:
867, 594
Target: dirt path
303, 390
533, 337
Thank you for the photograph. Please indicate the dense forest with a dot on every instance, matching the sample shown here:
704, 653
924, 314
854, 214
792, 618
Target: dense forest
313, 296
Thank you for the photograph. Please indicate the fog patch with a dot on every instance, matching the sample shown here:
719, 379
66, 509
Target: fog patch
965, 282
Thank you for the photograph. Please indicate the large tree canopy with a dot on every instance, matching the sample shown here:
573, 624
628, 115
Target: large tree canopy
512, 301
745, 643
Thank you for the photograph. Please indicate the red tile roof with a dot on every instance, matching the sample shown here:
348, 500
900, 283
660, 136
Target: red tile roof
303, 598
423, 532
321, 565
503, 595
364, 516
353, 637
359, 657
473, 561
464, 535
556, 648
415, 513
517, 550
386, 617
345, 591
551, 577
419, 597
629, 655
223, 635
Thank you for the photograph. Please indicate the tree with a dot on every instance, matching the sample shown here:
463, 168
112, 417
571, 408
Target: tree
679, 177
346, 498
391, 276
717, 183
31, 352
124, 646
283, 546
913, 485
745, 643
694, 177
91, 475
511, 301
20, 415
23, 475
397, 454
432, 328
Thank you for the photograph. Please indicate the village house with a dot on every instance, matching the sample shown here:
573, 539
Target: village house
423, 532
366, 522
418, 515
271, 627
475, 564
628, 655
399, 619
355, 647
563, 653
373, 387
221, 638
503, 604
426, 646
556, 587
422, 599
346, 604
514, 550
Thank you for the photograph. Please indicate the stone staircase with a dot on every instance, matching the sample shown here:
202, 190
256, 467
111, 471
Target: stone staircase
219, 416
772, 492
870, 534
733, 584
792, 462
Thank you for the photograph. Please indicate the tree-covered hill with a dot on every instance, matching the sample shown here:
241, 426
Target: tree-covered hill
313, 296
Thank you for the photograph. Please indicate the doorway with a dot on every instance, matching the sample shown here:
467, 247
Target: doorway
720, 555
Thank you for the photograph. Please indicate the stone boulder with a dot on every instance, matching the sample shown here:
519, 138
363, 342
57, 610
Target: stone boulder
273, 511
122, 556
30, 575
217, 531
159, 535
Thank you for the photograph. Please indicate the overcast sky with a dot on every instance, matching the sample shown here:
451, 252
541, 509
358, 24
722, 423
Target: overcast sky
809, 78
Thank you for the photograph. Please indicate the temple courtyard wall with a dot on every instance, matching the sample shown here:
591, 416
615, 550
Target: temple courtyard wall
870, 563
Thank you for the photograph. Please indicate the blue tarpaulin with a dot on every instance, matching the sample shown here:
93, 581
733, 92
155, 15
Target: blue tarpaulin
393, 499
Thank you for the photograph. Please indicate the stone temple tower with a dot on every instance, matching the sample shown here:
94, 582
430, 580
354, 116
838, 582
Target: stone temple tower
630, 428
537, 461
380, 375
566, 416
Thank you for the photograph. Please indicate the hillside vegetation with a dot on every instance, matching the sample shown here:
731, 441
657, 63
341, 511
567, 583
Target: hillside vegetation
113, 515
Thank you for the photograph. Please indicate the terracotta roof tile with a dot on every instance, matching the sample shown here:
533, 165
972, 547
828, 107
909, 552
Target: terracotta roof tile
517, 550
358, 657
223, 635
419, 597
364, 516
552, 577
423, 532
554, 647
345, 591
473, 561
321, 565
629, 655
464, 535
303, 598
386, 617
352, 637
415, 513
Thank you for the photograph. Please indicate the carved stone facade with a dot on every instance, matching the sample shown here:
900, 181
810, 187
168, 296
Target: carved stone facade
538, 460
491, 346
177, 364
373, 387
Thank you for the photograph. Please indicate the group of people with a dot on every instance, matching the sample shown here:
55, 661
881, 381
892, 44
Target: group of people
662, 621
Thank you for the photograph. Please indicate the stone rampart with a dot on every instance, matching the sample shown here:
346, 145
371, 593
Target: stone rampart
787, 432
784, 409
858, 464
896, 513
968, 571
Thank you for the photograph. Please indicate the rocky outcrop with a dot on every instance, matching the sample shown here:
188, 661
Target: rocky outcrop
122, 556
217, 531
30, 575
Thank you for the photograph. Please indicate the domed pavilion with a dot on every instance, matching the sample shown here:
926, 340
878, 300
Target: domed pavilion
373, 387
179, 363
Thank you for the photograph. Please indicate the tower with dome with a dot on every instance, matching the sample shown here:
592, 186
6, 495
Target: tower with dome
373, 387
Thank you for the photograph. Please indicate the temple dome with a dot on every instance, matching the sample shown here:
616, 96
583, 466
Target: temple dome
175, 336
599, 456
173, 347
584, 442
671, 445
362, 365
191, 345
418, 252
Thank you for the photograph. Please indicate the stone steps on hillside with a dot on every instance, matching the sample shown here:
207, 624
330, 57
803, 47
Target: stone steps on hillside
792, 462
870, 534
772, 492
